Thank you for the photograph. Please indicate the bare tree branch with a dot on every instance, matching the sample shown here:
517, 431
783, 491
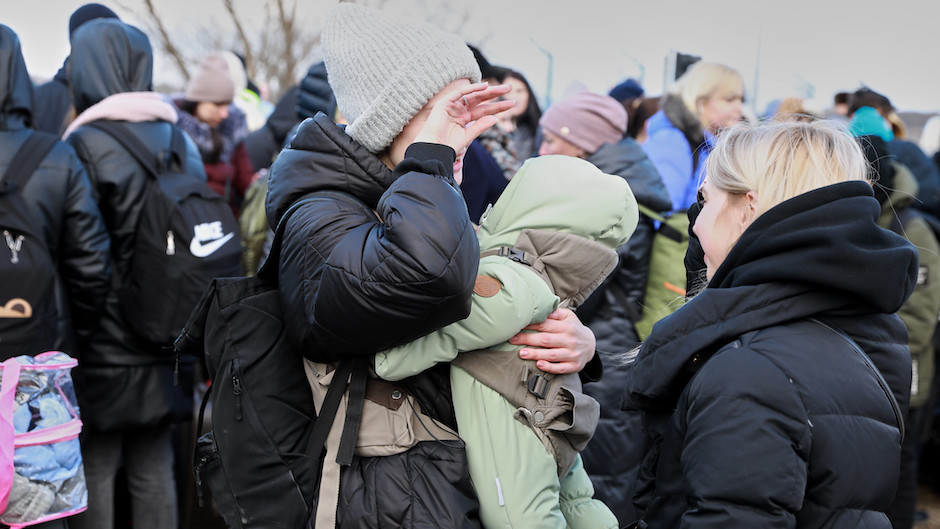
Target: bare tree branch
243, 36
287, 23
165, 41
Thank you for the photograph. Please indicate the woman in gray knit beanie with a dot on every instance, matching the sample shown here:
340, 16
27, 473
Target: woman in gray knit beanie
353, 283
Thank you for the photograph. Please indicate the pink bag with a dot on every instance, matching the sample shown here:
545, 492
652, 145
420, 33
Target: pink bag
42, 477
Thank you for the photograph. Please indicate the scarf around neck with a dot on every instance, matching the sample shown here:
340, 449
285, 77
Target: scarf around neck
231, 131
126, 106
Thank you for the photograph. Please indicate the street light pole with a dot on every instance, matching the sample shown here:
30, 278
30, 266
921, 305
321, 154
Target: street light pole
549, 73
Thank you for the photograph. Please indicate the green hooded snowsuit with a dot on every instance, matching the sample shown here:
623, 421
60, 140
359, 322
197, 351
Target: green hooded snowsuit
569, 218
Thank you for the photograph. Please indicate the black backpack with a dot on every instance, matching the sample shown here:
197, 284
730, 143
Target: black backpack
262, 459
186, 236
27, 305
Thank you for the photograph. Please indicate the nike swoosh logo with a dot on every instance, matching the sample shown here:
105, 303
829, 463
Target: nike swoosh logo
197, 248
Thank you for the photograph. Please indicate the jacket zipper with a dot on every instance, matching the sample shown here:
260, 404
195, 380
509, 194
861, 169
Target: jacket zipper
237, 390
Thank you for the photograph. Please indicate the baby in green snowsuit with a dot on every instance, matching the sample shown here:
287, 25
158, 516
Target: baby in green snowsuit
568, 218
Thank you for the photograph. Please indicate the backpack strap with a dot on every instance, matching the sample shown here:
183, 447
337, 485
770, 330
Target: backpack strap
121, 133
873, 368
663, 227
27, 160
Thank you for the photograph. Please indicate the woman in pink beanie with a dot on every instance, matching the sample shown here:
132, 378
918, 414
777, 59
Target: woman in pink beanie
592, 126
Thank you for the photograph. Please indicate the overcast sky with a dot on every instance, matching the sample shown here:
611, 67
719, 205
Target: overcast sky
795, 47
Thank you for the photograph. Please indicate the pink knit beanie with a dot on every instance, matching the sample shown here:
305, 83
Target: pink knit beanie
587, 120
212, 82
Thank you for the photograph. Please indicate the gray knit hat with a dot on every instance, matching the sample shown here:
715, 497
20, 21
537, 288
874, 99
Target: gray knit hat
384, 69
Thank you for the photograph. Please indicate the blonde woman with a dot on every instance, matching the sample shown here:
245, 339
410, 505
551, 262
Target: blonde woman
706, 99
775, 395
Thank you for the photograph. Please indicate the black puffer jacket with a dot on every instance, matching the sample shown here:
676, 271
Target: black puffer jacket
53, 102
610, 318
60, 195
762, 417
355, 286
130, 382
298, 103
608, 460
264, 144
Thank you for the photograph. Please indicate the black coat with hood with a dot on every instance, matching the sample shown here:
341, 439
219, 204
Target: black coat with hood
130, 382
355, 285
298, 103
53, 103
611, 312
761, 417
60, 195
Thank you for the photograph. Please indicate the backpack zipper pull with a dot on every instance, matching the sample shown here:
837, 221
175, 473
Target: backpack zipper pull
176, 367
237, 391
199, 483
170, 243
15, 246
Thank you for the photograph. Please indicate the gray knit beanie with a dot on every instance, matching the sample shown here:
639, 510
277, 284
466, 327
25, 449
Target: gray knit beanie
384, 69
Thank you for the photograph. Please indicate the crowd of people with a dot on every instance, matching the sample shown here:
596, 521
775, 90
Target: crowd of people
793, 386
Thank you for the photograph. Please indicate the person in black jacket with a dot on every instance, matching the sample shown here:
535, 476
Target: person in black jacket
54, 111
131, 397
61, 196
352, 284
593, 126
776, 396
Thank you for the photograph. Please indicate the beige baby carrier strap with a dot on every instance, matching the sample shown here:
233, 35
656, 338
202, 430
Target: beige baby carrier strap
554, 406
382, 418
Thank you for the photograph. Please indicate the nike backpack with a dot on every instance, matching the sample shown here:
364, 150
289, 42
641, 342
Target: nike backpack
187, 235
27, 306
261, 461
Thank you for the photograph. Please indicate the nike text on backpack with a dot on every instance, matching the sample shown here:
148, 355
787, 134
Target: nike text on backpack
27, 306
186, 236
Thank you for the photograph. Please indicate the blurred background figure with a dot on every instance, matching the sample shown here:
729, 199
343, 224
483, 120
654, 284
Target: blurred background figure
521, 122
707, 98
647, 107
311, 96
132, 401
789, 109
592, 126
207, 115
53, 110
840, 107
247, 94
489, 162
870, 113
630, 94
895, 188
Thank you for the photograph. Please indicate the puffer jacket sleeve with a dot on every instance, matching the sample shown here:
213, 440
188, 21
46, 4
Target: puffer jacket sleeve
523, 298
368, 284
745, 455
84, 258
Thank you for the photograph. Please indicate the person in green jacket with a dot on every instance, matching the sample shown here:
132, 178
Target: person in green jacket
896, 190
549, 241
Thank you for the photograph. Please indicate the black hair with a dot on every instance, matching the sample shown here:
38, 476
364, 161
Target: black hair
866, 97
533, 113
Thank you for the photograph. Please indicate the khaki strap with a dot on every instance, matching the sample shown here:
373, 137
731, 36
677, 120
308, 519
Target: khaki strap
328, 499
